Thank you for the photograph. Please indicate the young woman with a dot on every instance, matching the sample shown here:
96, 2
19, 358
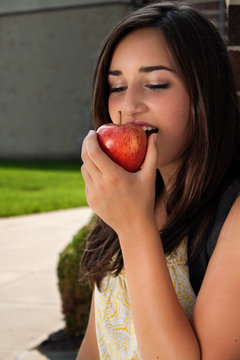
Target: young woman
164, 67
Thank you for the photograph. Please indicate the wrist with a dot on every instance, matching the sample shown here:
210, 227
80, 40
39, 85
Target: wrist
138, 230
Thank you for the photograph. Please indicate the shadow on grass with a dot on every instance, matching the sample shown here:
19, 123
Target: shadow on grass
43, 164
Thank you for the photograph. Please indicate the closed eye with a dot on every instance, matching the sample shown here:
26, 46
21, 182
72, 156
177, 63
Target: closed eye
149, 86
157, 86
117, 89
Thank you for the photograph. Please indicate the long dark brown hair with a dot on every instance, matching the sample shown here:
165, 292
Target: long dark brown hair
212, 159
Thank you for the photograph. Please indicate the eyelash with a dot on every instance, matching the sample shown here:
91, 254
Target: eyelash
158, 86
117, 89
150, 86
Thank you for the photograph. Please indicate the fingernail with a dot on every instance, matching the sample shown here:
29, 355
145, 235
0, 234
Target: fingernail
91, 132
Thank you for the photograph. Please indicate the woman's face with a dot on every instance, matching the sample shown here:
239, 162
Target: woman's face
146, 87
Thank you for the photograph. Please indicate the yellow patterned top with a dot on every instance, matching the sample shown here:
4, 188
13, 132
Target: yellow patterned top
114, 323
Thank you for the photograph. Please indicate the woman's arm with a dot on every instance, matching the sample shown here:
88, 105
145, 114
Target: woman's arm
89, 348
162, 329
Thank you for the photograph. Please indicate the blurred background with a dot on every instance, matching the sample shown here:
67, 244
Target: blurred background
48, 53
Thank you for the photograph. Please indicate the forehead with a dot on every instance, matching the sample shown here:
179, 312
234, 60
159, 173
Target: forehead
146, 46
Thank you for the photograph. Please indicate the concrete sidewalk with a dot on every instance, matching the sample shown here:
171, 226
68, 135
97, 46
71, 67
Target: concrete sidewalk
30, 306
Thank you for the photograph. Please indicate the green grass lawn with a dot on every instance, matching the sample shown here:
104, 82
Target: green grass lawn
33, 187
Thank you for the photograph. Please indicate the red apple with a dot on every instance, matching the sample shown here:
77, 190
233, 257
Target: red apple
125, 144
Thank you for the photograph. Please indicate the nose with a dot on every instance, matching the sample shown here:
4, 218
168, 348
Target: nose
134, 104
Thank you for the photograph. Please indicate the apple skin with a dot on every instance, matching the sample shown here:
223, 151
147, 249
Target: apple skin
125, 144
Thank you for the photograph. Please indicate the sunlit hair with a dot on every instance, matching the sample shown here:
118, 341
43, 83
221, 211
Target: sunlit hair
211, 159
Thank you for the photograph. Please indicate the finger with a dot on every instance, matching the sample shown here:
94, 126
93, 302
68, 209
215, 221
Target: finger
150, 162
101, 160
86, 175
87, 180
89, 164
92, 169
84, 152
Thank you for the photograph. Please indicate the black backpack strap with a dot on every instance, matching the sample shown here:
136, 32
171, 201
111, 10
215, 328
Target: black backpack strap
226, 202
198, 266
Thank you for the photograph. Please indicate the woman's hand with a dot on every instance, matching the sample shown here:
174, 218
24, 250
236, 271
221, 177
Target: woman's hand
119, 197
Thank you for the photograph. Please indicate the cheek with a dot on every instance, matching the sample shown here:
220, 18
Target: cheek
181, 115
185, 120
182, 107
177, 124
180, 128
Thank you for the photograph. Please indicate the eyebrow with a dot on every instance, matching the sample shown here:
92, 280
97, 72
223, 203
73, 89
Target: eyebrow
147, 69
143, 69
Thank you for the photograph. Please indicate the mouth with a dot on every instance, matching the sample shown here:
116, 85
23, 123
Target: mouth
149, 130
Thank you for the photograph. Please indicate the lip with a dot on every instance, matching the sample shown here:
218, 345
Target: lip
141, 123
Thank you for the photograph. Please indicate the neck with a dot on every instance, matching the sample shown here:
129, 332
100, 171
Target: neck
168, 174
160, 211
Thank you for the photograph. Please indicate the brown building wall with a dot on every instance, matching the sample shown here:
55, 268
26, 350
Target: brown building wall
215, 10
234, 39
226, 17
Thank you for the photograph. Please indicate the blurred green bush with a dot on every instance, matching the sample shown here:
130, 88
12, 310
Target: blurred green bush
75, 295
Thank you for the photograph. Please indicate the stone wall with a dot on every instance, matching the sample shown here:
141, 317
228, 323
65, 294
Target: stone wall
46, 66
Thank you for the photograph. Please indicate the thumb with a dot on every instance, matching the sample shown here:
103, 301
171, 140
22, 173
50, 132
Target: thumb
150, 162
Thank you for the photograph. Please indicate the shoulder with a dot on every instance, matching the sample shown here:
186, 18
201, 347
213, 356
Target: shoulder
227, 251
231, 227
226, 206
217, 310
228, 245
